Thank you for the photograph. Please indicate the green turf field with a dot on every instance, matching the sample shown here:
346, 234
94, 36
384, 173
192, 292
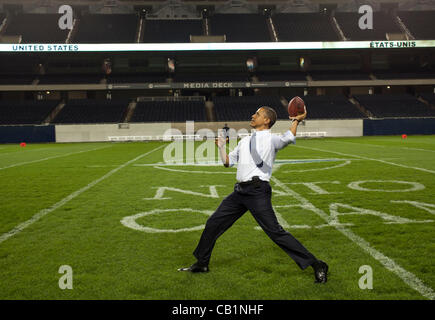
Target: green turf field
125, 224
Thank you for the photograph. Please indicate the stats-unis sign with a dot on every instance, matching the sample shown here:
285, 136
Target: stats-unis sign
393, 44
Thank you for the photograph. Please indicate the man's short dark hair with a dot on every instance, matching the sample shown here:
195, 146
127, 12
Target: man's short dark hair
271, 115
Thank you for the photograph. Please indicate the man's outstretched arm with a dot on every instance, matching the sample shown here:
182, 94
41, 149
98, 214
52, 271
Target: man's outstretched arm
220, 142
289, 136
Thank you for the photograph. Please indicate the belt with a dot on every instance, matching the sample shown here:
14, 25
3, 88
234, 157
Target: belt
255, 179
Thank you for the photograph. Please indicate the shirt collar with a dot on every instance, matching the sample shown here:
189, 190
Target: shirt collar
265, 130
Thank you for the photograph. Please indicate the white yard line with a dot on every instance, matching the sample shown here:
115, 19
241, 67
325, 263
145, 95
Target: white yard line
409, 278
366, 158
73, 195
53, 157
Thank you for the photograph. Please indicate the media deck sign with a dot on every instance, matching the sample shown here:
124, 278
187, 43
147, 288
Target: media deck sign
208, 85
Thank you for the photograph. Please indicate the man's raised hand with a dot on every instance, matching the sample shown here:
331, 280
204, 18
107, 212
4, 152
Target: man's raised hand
220, 142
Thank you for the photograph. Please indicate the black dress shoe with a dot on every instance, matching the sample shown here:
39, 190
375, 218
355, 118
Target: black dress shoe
195, 268
320, 271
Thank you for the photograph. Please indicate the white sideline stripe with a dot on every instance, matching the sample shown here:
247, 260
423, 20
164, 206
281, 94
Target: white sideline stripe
409, 278
426, 141
73, 195
380, 146
53, 157
418, 149
24, 151
365, 158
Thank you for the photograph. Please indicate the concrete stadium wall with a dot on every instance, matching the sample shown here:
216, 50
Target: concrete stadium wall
101, 132
333, 128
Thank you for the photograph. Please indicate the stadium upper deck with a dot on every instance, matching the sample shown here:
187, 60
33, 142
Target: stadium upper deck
167, 23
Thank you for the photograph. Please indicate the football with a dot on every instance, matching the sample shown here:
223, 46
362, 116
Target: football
296, 106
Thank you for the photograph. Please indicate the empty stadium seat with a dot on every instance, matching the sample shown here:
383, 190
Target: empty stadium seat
169, 111
14, 79
106, 28
429, 97
37, 28
211, 77
92, 111
137, 78
25, 112
421, 24
339, 75
395, 105
405, 75
282, 76
70, 79
331, 107
242, 108
382, 23
171, 31
304, 27
240, 27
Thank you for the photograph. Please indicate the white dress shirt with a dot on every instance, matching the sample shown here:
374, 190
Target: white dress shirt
267, 145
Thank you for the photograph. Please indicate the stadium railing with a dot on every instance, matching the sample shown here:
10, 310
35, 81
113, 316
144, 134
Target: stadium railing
199, 137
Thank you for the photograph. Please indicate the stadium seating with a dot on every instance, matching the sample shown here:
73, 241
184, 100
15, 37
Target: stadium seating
137, 78
382, 24
106, 28
304, 27
70, 79
212, 77
92, 111
405, 75
16, 79
331, 107
429, 97
25, 112
242, 108
397, 105
169, 111
339, 75
421, 24
18, 65
240, 27
282, 76
37, 28
171, 31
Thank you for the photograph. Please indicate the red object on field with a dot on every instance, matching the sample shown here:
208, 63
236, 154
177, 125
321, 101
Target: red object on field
404, 136
22, 144
296, 106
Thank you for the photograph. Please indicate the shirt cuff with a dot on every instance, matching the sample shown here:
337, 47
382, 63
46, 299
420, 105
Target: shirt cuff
289, 137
